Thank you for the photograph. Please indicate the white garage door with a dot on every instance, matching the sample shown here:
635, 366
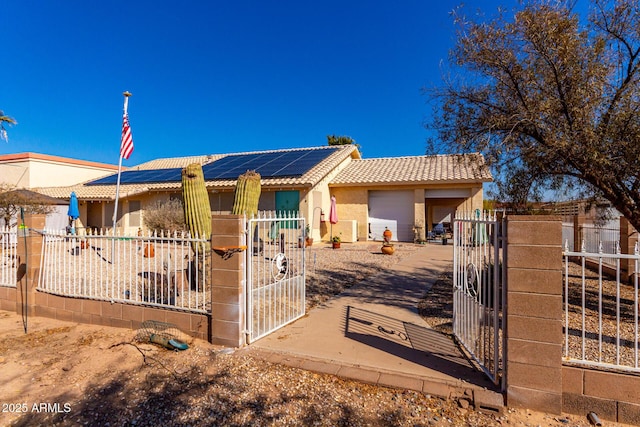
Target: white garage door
392, 209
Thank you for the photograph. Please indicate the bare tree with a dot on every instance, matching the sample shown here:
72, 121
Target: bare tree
554, 96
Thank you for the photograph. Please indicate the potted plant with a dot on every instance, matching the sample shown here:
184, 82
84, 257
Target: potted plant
335, 242
307, 236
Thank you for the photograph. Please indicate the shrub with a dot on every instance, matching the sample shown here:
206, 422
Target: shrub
167, 216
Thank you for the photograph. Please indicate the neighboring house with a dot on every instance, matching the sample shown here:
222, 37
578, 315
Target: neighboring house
32, 170
398, 192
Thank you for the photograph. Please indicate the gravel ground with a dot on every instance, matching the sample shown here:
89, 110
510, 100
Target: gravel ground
105, 377
330, 271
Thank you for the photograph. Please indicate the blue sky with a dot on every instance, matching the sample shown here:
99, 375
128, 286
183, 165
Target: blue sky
217, 77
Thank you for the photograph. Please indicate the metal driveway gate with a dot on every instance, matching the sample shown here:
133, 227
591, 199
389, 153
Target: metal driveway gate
275, 272
479, 291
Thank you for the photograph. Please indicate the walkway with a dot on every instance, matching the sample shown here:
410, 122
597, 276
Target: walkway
373, 333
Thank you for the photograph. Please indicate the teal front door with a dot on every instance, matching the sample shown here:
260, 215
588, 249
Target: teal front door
288, 201
287, 204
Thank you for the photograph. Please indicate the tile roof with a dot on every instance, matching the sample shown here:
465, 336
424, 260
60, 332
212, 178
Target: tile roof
176, 162
452, 168
97, 192
108, 192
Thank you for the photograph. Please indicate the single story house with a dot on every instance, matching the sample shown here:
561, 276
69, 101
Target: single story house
400, 193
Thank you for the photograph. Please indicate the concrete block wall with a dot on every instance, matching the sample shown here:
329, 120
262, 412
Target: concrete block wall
534, 313
105, 313
8, 298
613, 396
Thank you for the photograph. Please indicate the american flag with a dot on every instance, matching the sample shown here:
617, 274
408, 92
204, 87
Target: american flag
126, 146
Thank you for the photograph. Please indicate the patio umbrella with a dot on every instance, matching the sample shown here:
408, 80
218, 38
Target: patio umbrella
333, 214
73, 212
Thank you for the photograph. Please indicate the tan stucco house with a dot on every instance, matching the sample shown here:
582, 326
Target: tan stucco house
399, 193
31, 170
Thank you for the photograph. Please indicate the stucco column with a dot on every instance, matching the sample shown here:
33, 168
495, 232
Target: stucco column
227, 276
534, 313
29, 254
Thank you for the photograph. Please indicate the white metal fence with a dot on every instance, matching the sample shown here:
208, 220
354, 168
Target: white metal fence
478, 291
159, 270
600, 311
8, 256
275, 279
595, 238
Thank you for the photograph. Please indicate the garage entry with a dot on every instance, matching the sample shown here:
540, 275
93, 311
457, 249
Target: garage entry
392, 209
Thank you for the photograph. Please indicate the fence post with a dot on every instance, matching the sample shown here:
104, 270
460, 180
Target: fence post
628, 240
534, 313
578, 223
227, 276
29, 254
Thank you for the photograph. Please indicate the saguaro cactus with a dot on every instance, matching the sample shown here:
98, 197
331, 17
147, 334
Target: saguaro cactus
197, 211
247, 194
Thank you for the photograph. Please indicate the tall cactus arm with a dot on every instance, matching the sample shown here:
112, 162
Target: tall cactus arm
197, 211
247, 194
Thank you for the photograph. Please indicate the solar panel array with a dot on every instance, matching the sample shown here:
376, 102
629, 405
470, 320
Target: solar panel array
277, 164
268, 165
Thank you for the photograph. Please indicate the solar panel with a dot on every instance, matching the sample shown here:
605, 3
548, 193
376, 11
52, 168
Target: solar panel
141, 177
275, 164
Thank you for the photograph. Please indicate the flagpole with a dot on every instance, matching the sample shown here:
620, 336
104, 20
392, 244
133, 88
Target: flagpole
126, 94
